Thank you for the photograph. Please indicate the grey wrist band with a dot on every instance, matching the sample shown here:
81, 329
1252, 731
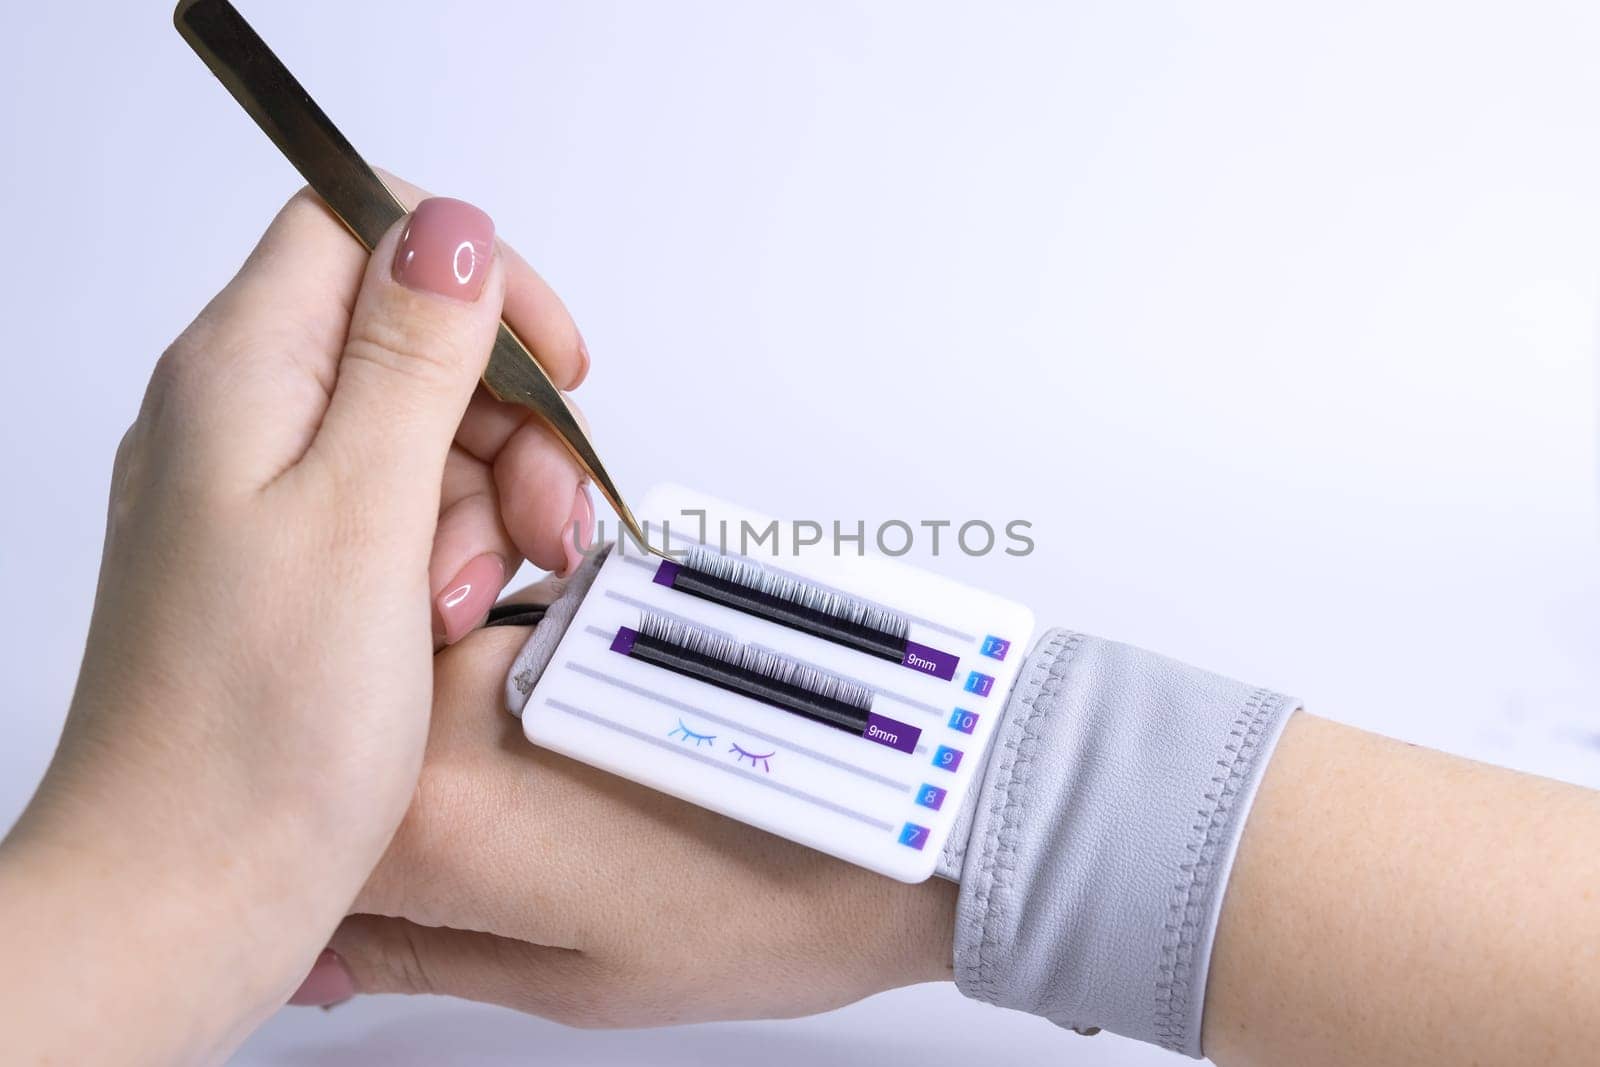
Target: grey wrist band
1102, 837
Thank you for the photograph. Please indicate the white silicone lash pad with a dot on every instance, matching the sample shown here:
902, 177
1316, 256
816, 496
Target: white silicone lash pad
863, 744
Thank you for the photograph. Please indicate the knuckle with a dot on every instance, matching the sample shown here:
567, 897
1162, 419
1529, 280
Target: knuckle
392, 958
303, 197
408, 961
186, 378
126, 474
124, 463
178, 440
416, 347
175, 377
308, 205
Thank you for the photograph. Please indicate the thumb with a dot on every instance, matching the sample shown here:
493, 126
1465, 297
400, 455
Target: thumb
420, 334
378, 954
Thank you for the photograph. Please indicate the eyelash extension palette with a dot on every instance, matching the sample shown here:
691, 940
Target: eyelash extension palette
844, 702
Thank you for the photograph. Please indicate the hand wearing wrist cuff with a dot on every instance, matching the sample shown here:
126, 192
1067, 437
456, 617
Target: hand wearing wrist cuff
1094, 854
1102, 836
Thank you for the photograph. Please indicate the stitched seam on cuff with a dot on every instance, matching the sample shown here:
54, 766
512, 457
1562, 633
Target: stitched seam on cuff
984, 981
1188, 903
954, 856
1010, 798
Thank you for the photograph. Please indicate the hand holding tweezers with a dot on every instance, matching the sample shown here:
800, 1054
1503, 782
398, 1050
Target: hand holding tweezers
283, 109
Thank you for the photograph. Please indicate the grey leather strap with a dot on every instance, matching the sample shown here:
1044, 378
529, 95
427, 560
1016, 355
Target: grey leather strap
1102, 836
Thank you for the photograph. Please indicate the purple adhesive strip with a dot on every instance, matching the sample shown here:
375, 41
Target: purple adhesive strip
930, 661
623, 642
897, 735
667, 573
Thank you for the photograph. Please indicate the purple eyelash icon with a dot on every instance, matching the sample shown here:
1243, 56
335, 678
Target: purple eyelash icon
756, 759
689, 735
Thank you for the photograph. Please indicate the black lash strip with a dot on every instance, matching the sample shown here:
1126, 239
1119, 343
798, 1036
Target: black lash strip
755, 590
728, 663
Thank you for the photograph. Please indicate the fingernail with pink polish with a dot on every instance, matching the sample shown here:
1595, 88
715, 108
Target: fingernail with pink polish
578, 534
467, 599
583, 362
329, 983
445, 248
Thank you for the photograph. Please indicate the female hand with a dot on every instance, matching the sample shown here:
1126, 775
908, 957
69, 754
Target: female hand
311, 497
523, 878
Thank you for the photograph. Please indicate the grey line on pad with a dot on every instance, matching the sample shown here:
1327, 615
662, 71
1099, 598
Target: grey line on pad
677, 749
690, 709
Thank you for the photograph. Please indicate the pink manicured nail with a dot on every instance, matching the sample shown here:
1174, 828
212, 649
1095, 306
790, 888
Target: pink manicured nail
578, 533
468, 599
583, 363
445, 248
329, 983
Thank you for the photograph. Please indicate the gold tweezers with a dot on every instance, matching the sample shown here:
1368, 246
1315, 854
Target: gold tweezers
241, 60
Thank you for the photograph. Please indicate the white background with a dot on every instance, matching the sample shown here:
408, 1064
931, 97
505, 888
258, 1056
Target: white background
1277, 321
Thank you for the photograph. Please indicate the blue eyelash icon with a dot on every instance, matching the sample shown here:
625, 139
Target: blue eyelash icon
756, 759
689, 735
